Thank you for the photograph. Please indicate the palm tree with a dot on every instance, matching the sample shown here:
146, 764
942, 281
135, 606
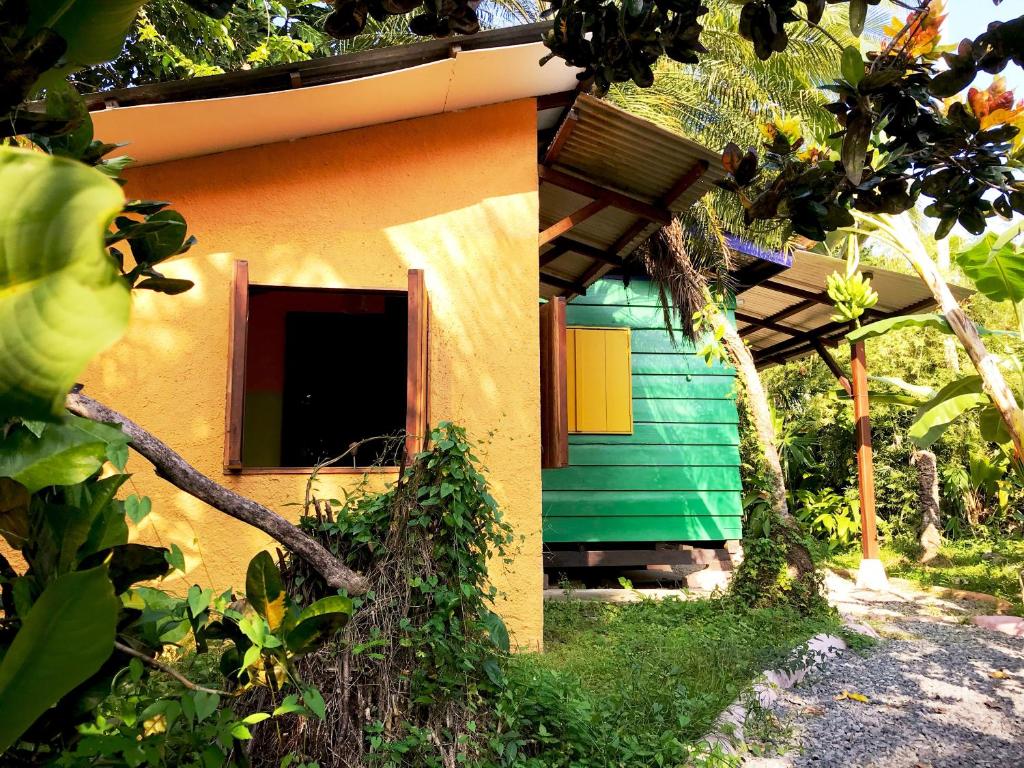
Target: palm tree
730, 92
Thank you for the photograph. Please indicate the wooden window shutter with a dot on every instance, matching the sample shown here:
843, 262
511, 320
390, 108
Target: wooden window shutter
238, 320
417, 418
554, 411
600, 382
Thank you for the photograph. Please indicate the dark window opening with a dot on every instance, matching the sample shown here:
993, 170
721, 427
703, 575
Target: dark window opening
324, 369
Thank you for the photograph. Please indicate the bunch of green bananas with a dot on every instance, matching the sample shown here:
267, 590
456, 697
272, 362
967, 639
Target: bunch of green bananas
852, 295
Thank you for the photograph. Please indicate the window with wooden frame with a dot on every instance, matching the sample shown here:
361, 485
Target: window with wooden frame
314, 372
599, 386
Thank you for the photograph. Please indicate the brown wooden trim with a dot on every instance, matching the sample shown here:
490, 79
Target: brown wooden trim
234, 412
832, 365
565, 129
800, 293
416, 416
558, 100
554, 403
766, 323
568, 244
557, 282
576, 217
685, 181
588, 189
755, 273
557, 249
865, 456
782, 314
594, 558
317, 71
321, 471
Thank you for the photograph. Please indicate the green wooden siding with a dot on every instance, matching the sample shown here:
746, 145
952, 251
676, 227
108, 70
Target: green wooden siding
676, 478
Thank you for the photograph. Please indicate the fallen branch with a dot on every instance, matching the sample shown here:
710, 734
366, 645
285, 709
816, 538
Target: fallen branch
173, 468
168, 670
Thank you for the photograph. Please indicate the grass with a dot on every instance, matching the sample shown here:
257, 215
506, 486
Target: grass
652, 677
978, 565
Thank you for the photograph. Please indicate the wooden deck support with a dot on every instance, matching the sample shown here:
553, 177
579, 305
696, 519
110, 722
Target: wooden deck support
865, 457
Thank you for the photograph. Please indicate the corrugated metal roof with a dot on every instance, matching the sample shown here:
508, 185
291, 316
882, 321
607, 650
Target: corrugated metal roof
800, 318
613, 149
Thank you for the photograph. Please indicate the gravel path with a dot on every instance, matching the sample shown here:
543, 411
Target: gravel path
933, 701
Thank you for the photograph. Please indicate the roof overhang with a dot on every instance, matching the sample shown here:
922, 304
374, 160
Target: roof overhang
172, 121
608, 180
783, 311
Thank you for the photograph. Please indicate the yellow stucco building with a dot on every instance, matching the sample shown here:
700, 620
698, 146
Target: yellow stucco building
320, 194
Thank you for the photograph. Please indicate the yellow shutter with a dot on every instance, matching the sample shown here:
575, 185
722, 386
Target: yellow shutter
599, 384
570, 372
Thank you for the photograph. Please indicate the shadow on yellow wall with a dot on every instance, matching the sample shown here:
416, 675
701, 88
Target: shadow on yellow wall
455, 195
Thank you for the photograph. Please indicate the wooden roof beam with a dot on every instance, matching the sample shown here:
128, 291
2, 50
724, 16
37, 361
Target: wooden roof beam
800, 293
832, 365
562, 134
562, 226
560, 282
758, 323
780, 315
588, 189
556, 250
568, 244
686, 181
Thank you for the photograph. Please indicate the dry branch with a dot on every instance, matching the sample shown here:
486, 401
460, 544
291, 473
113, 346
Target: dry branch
173, 468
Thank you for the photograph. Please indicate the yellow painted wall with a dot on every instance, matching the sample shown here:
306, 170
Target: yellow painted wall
453, 194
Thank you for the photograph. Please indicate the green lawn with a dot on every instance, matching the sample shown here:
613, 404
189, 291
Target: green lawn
650, 678
979, 565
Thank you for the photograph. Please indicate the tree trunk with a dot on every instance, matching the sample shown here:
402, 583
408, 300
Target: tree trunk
928, 500
797, 555
987, 365
173, 468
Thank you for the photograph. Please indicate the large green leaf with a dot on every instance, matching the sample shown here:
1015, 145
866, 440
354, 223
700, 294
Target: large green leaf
997, 272
93, 29
931, 320
64, 639
950, 402
264, 590
65, 453
61, 299
318, 622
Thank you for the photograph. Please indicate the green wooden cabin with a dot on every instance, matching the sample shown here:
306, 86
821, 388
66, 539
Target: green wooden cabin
674, 476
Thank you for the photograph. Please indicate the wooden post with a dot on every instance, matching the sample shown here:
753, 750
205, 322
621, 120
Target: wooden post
865, 458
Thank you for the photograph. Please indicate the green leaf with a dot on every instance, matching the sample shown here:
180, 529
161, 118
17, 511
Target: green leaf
319, 622
206, 704
198, 599
137, 508
314, 702
852, 65
997, 272
66, 453
175, 558
992, 426
155, 245
858, 15
62, 300
938, 322
241, 733
264, 590
953, 400
255, 717
93, 29
497, 630
65, 638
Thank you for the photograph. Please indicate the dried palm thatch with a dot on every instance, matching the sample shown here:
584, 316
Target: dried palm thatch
686, 259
